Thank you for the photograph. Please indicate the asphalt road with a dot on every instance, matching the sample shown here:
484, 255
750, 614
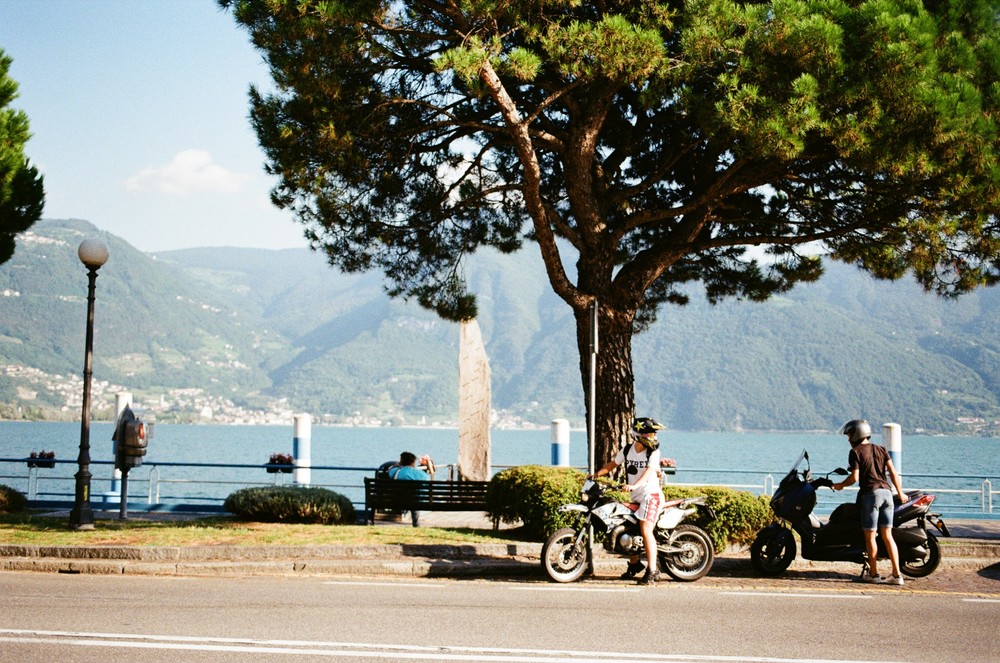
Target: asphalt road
58, 617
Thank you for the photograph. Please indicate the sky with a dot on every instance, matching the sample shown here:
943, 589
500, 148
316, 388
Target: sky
139, 120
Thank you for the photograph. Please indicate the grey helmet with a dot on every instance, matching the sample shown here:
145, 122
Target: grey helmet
856, 430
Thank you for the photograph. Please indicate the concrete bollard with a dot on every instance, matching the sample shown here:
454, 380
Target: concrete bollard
892, 440
560, 442
302, 450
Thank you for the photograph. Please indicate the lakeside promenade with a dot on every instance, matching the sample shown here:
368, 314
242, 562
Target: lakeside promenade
970, 560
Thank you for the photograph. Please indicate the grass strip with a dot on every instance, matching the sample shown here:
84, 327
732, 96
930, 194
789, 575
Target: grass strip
46, 530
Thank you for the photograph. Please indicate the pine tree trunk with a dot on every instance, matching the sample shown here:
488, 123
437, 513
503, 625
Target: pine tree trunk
615, 384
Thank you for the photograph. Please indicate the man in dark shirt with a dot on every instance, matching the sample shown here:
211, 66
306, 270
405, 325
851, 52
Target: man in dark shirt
870, 463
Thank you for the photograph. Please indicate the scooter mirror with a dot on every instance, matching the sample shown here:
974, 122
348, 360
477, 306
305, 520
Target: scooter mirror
840, 472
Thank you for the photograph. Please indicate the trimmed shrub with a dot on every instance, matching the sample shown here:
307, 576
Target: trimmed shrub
11, 501
739, 514
291, 504
532, 494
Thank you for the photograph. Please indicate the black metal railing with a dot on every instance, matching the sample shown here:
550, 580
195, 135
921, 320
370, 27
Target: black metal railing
205, 486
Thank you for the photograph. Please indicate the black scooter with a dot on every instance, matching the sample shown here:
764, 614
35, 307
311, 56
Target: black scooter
840, 539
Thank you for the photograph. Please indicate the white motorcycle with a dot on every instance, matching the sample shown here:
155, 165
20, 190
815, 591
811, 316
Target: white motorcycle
685, 551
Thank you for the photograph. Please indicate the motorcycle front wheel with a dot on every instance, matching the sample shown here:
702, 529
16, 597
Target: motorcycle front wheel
772, 551
921, 568
695, 558
562, 558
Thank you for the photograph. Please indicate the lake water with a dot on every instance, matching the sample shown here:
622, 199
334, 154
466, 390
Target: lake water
741, 459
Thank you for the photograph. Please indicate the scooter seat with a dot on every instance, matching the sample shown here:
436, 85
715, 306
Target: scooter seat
845, 513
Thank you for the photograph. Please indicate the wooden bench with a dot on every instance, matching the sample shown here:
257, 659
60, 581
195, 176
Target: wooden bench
408, 495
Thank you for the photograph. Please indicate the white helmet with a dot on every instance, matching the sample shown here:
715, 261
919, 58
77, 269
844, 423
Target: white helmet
856, 430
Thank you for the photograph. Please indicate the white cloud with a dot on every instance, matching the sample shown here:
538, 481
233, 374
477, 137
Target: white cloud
190, 171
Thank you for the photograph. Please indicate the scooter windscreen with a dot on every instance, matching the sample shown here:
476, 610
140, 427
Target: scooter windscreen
804, 456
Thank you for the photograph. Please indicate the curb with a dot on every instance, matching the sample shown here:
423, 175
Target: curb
350, 567
264, 553
399, 560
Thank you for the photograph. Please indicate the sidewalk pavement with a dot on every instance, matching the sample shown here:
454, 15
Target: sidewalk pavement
974, 544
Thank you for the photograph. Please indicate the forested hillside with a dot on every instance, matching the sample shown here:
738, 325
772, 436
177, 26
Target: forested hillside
255, 330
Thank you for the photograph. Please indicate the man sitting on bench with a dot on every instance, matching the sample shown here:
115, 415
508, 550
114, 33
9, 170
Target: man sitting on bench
408, 470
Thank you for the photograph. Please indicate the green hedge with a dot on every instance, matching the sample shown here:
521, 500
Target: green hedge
739, 514
291, 504
11, 501
532, 495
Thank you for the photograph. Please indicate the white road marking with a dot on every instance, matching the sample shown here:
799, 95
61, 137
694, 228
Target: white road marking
981, 600
573, 588
367, 650
795, 595
523, 588
387, 583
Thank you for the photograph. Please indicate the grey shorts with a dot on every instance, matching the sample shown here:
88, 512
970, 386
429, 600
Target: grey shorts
876, 506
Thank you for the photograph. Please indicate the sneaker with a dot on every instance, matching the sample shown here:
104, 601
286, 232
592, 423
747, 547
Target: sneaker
649, 578
895, 580
875, 580
632, 570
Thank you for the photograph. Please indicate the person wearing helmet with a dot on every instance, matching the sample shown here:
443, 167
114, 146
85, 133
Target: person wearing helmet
871, 465
641, 458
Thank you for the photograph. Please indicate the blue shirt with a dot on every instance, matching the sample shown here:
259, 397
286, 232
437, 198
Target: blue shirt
409, 472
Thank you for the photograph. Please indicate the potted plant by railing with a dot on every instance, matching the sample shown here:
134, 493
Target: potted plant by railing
280, 459
42, 459
668, 466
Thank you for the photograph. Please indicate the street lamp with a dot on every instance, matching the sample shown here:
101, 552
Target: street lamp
93, 253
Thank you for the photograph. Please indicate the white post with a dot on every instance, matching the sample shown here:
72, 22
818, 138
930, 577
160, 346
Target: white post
302, 450
560, 442
892, 440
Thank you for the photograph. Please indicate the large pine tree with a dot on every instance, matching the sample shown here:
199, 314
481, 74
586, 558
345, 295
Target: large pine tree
640, 145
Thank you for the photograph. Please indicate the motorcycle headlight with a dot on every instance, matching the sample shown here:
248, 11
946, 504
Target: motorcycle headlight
584, 497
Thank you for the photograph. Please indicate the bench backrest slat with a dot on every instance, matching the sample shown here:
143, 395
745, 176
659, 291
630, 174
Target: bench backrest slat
381, 493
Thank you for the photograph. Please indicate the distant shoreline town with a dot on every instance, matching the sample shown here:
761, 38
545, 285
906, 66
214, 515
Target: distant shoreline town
64, 399
195, 406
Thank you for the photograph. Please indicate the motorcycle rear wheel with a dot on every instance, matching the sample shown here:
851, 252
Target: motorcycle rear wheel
562, 559
772, 551
921, 568
696, 557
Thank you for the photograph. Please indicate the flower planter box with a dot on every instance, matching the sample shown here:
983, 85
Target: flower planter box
42, 459
280, 459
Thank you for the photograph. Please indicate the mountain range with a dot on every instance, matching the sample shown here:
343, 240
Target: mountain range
248, 335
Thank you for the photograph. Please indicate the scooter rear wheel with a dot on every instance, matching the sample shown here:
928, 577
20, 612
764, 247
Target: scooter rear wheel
772, 551
921, 568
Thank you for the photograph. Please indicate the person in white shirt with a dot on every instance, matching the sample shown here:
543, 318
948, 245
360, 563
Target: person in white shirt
641, 459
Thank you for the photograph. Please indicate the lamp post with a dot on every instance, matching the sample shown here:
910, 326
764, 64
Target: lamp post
93, 253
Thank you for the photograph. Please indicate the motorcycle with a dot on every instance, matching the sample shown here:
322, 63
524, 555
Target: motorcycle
841, 539
684, 550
